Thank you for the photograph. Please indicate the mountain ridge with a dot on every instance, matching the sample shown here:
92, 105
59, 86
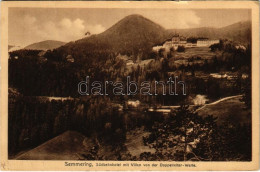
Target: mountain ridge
239, 32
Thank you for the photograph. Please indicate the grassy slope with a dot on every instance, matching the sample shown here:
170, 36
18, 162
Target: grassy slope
232, 110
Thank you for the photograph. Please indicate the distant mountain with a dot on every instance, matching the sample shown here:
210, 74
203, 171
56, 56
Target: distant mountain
45, 45
130, 35
239, 32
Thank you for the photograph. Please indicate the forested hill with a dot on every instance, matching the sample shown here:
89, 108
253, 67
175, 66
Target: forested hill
131, 35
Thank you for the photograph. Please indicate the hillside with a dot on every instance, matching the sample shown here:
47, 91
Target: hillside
45, 45
239, 32
67, 146
71, 145
130, 35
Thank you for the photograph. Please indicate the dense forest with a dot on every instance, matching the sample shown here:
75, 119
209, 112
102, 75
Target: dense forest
33, 121
54, 75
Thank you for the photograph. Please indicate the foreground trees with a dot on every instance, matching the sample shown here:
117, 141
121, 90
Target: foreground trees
186, 136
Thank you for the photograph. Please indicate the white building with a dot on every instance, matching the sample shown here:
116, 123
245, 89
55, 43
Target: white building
190, 45
206, 42
167, 45
133, 103
177, 41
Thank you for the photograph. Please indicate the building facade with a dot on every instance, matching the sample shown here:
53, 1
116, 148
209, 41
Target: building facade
206, 42
178, 40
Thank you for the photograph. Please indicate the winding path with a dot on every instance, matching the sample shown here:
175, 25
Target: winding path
167, 109
218, 101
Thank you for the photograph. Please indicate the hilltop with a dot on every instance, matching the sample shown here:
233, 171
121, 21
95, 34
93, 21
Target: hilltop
135, 32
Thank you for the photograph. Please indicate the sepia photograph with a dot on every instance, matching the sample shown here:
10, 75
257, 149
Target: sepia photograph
124, 84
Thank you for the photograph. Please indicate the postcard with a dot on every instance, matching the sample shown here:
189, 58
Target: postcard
106, 85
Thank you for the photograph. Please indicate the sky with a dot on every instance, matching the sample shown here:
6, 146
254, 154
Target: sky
30, 25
